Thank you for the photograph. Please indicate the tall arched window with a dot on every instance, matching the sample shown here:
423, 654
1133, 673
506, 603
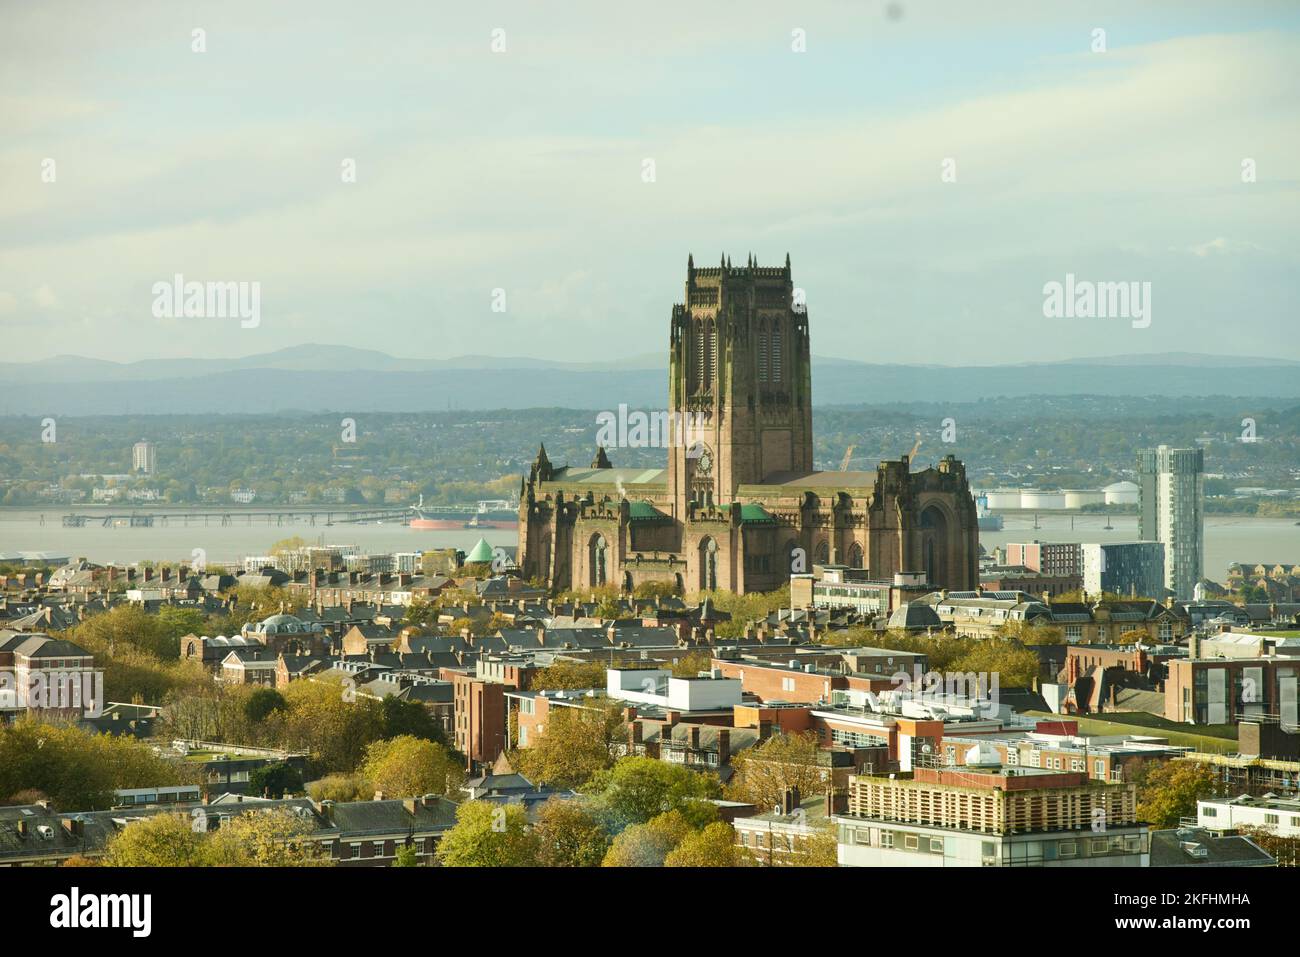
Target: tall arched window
706, 356
762, 354
701, 357
776, 353
708, 565
597, 560
712, 374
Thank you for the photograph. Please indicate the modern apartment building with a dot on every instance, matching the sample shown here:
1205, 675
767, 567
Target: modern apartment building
144, 457
1226, 690
987, 815
1131, 569
1171, 486
1046, 558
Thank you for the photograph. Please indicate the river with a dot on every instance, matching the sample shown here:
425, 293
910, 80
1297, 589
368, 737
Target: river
21, 530
1228, 538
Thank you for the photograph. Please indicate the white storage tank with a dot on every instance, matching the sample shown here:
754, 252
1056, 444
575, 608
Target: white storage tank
1004, 498
1079, 497
1033, 500
1121, 493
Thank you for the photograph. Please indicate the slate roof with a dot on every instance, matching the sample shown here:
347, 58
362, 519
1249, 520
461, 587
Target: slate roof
1221, 851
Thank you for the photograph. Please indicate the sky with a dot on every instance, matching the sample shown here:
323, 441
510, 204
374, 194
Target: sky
929, 168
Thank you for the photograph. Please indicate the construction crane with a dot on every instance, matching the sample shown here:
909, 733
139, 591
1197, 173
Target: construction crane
912, 454
848, 454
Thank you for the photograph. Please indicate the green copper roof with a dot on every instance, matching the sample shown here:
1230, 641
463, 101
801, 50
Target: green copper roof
645, 512
482, 552
753, 514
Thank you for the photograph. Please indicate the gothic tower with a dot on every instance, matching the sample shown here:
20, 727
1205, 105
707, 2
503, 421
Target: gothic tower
740, 383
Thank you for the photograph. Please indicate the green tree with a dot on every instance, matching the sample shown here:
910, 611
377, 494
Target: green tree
327, 719
410, 718
275, 780
1015, 665
650, 843
714, 846
692, 664
1167, 791
656, 590
408, 766
1028, 633
569, 676
262, 838
78, 770
261, 702
577, 743
569, 835
763, 773
489, 835
164, 840
340, 788
406, 856
637, 789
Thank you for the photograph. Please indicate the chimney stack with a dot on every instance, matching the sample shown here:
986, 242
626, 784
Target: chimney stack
789, 800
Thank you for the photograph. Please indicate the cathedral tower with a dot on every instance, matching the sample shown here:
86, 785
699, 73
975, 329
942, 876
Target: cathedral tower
740, 382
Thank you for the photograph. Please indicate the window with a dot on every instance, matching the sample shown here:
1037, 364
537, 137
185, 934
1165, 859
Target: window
886, 838
1099, 768
378, 848
1210, 812
1098, 845
936, 845
1270, 818
787, 684
1068, 848
862, 836
911, 842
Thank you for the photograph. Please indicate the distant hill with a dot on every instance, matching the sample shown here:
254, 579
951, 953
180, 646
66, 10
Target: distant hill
298, 378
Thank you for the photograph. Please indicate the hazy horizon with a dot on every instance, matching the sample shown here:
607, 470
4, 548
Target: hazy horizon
524, 171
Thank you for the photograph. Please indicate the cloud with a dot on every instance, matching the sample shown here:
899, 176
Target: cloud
522, 171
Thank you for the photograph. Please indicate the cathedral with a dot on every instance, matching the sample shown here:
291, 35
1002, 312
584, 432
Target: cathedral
739, 506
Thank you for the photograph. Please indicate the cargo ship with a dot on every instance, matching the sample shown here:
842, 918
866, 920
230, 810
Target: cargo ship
491, 513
